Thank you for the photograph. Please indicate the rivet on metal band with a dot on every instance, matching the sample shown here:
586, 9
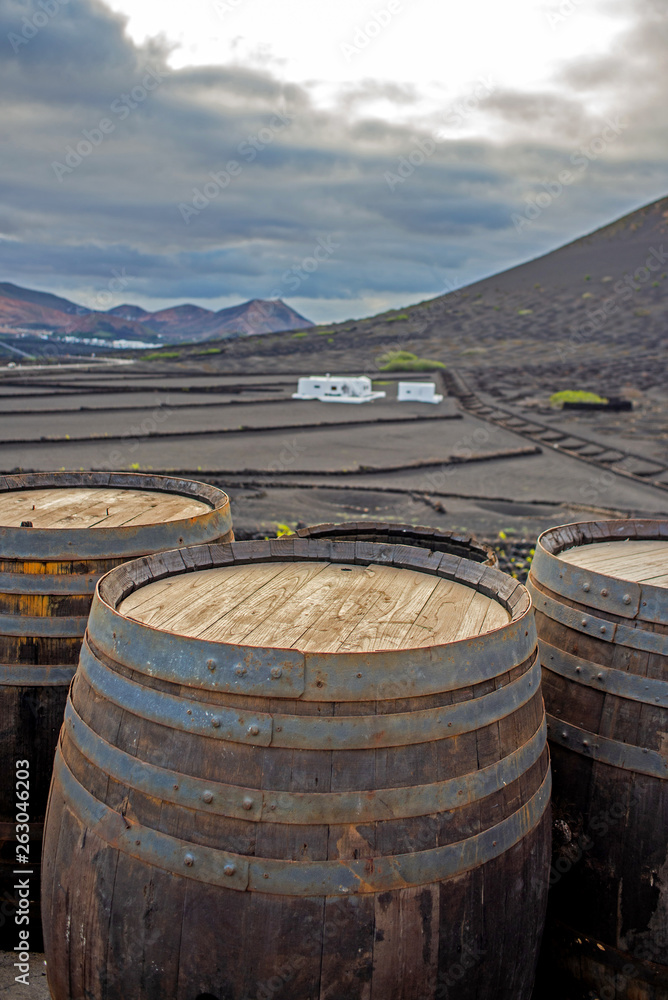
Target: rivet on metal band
648, 690
295, 878
299, 808
600, 748
622, 635
306, 732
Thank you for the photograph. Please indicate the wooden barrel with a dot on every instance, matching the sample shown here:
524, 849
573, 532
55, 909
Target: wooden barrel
465, 546
76, 526
304, 766
601, 599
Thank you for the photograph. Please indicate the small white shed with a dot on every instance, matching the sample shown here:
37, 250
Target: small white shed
417, 392
337, 389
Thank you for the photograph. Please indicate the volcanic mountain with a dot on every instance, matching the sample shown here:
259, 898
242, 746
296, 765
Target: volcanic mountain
27, 309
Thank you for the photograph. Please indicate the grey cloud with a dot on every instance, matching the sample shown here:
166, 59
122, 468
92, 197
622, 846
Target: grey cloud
318, 174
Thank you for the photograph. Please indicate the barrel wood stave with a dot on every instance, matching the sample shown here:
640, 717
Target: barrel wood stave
47, 582
606, 694
322, 943
391, 533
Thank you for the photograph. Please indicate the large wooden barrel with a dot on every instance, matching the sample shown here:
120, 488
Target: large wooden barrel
390, 533
601, 599
59, 532
302, 766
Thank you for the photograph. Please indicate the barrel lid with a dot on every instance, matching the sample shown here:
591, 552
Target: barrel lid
347, 670
75, 507
639, 560
88, 515
617, 566
317, 605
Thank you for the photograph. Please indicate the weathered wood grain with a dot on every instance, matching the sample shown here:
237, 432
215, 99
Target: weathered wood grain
469, 935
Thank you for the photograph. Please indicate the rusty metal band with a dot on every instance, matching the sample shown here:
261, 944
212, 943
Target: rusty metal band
289, 673
76, 584
213, 666
43, 626
28, 675
598, 628
304, 732
577, 583
598, 590
648, 690
625, 756
124, 541
299, 808
295, 878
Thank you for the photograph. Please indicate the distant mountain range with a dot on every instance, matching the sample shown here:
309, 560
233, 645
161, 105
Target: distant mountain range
24, 309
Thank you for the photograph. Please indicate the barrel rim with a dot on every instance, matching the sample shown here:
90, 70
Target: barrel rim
416, 533
612, 594
128, 541
565, 536
275, 671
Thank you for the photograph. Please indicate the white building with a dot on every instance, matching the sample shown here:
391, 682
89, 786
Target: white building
417, 392
337, 389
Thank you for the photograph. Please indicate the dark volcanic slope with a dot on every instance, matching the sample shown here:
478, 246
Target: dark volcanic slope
612, 251
599, 298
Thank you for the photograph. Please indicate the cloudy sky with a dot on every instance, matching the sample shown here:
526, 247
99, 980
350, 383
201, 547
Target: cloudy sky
347, 157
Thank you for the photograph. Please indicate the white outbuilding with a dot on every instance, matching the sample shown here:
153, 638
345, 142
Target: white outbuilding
417, 392
337, 389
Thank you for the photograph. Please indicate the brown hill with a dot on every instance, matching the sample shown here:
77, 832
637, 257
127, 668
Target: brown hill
45, 299
126, 311
15, 313
24, 308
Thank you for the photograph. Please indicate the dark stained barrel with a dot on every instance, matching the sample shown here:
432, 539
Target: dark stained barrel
600, 591
76, 526
300, 769
434, 539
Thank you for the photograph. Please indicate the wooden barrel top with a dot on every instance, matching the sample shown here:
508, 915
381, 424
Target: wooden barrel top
639, 560
316, 606
77, 507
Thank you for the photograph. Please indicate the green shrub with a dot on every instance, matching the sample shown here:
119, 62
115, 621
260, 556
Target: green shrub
208, 350
419, 365
404, 361
575, 396
301, 333
397, 356
159, 355
393, 319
